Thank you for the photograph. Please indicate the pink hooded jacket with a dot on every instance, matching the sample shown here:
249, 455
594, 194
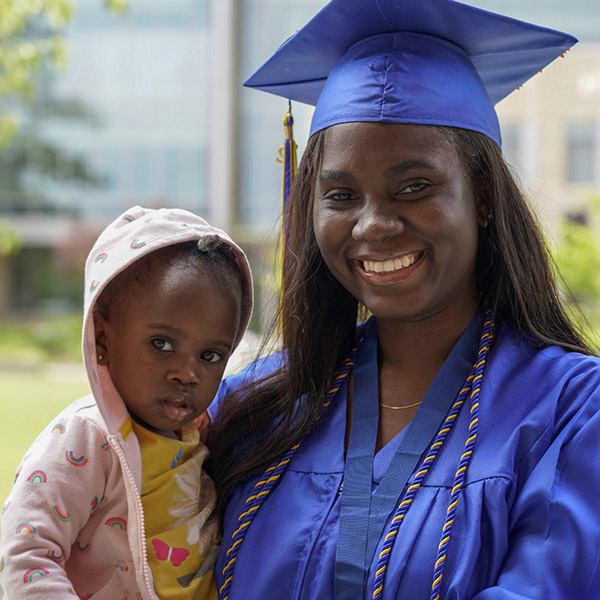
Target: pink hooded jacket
73, 525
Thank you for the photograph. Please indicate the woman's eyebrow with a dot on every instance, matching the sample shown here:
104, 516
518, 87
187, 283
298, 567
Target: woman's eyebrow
409, 165
393, 171
335, 175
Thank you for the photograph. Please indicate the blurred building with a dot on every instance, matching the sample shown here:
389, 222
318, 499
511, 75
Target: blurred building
160, 119
131, 111
551, 126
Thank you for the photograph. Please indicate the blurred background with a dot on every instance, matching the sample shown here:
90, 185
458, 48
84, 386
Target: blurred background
105, 104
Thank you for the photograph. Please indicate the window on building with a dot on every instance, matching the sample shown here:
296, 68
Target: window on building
581, 153
125, 122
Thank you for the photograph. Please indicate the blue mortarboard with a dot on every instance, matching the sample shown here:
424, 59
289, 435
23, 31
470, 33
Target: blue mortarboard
436, 62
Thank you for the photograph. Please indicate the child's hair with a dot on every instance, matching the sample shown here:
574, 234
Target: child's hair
210, 252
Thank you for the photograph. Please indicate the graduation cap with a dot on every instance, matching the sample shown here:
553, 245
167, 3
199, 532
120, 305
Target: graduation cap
436, 62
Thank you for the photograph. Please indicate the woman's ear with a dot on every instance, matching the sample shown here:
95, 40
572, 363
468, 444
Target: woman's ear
101, 333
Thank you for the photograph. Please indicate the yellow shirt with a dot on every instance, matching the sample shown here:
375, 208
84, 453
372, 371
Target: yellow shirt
181, 529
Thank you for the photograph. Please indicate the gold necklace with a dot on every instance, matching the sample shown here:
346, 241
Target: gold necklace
400, 407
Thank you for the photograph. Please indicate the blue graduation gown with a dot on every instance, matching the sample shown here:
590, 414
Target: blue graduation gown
528, 521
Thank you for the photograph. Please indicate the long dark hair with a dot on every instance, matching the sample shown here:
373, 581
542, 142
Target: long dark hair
261, 421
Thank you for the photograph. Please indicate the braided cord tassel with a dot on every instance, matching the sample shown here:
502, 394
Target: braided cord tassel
474, 379
487, 337
265, 485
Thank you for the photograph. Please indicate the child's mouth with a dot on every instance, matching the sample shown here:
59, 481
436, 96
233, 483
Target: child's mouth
177, 408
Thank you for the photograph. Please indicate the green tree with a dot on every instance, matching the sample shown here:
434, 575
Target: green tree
25, 48
29, 41
577, 258
31, 49
10, 243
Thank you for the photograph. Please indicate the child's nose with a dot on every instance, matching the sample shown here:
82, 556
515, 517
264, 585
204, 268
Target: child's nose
184, 371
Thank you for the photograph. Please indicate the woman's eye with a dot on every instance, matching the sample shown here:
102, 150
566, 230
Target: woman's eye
162, 344
339, 197
413, 188
210, 356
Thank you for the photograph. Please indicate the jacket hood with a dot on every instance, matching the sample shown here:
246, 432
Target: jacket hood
136, 233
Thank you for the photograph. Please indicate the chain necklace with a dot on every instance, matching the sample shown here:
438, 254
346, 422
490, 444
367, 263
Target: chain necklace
400, 407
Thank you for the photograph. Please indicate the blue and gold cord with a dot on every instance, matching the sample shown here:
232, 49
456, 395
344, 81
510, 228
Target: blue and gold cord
487, 338
471, 387
262, 487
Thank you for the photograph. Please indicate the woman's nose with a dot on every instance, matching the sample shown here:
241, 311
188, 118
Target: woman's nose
376, 222
184, 371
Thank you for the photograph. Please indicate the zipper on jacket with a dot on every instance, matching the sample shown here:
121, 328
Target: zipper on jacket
115, 443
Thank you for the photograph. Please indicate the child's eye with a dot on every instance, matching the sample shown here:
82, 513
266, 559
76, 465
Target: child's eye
162, 344
211, 356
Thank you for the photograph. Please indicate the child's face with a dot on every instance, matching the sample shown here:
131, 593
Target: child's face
168, 345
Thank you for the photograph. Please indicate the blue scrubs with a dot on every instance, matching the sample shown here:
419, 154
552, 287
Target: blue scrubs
528, 522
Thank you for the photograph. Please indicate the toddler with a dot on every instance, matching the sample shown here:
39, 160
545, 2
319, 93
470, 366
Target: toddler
111, 502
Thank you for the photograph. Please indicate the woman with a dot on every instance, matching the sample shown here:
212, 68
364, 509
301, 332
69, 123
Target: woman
446, 448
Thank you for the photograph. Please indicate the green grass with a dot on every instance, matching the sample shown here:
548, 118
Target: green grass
43, 339
29, 400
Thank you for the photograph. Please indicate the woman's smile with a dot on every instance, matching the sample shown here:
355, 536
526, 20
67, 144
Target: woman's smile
389, 270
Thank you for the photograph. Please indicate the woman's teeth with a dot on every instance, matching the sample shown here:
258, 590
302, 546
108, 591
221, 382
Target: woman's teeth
388, 266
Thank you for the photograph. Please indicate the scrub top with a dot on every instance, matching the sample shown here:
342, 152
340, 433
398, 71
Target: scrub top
527, 525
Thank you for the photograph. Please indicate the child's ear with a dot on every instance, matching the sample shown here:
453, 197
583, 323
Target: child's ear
101, 335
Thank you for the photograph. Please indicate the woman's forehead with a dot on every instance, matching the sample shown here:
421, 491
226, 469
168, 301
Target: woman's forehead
386, 143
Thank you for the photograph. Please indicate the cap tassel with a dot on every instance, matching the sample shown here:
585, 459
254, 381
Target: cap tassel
288, 157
